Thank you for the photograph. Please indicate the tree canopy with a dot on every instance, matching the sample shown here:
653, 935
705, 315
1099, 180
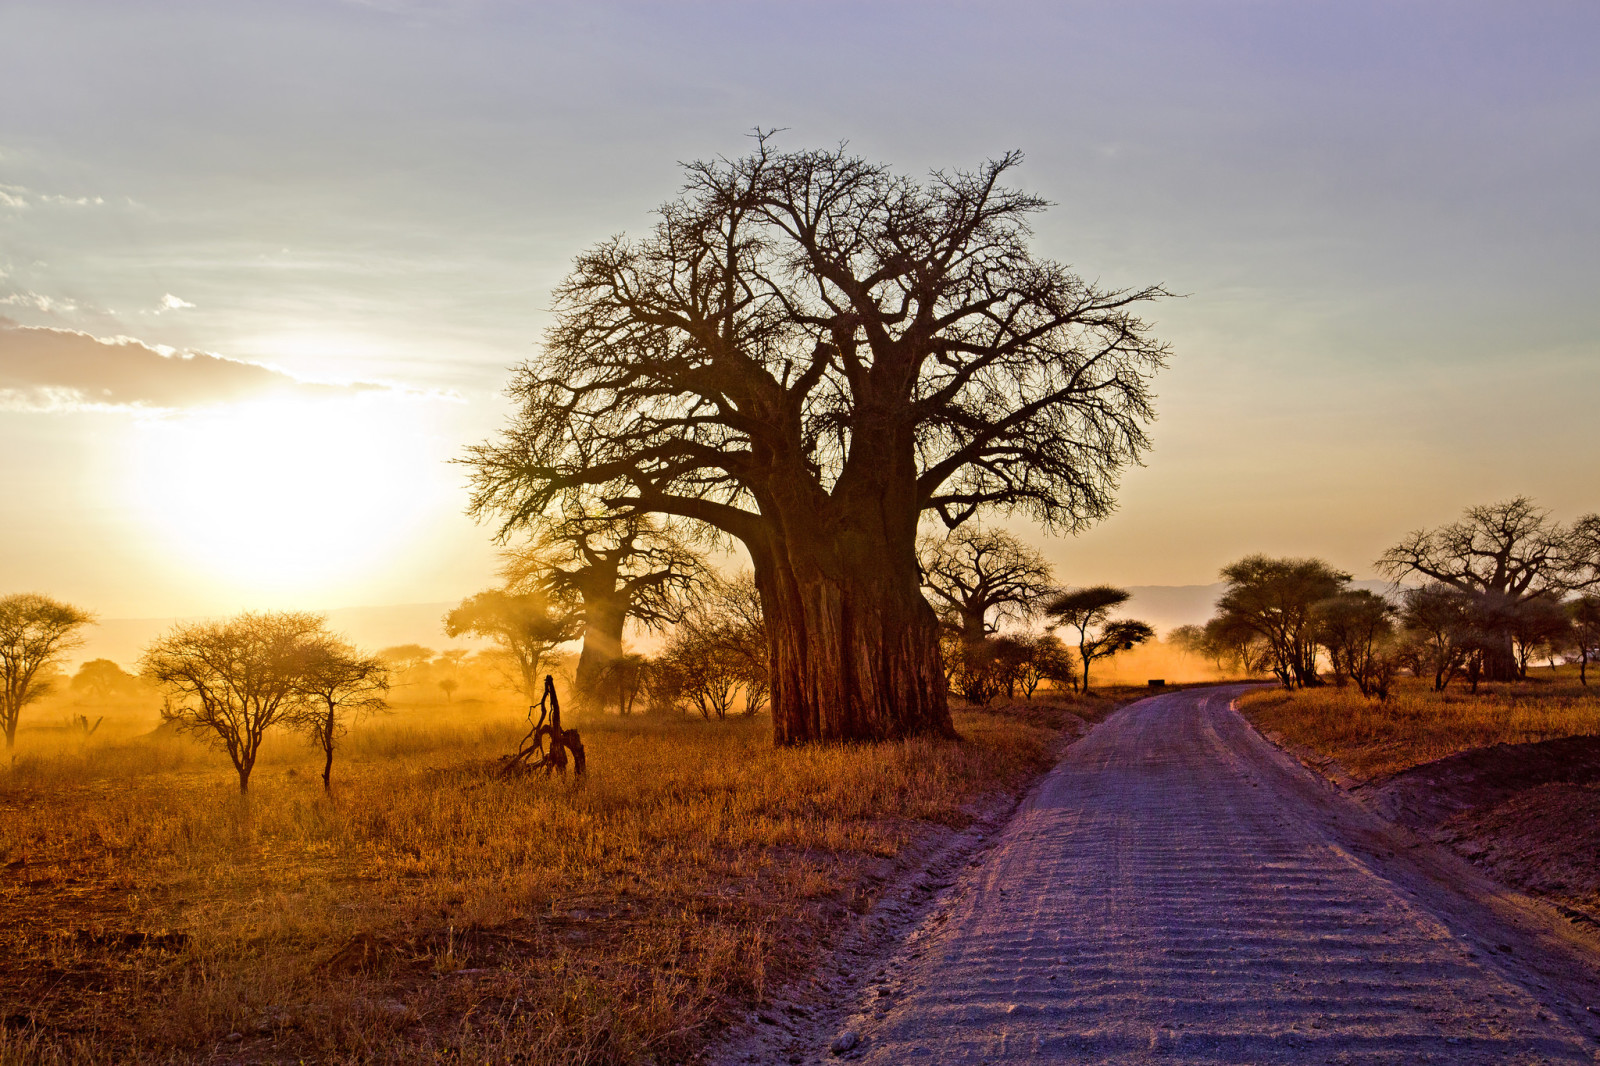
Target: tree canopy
1275, 601
1088, 610
35, 632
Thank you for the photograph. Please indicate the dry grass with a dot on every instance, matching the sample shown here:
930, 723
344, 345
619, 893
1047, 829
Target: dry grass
428, 912
1373, 740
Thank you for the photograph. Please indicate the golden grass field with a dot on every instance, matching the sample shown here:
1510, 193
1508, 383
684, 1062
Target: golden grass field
1417, 725
430, 912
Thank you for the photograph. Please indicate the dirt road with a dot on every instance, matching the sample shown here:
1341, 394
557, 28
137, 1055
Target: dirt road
1179, 891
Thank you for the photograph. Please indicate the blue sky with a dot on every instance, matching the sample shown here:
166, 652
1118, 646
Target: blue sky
1383, 218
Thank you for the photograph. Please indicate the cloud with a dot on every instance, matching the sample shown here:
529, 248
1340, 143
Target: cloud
170, 302
38, 301
16, 196
47, 369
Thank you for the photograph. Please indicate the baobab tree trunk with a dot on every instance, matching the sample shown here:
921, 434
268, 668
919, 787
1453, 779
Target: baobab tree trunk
602, 640
1500, 659
854, 646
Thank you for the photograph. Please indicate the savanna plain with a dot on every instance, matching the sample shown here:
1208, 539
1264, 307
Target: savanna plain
426, 909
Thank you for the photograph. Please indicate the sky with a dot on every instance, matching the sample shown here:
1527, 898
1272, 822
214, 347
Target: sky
264, 267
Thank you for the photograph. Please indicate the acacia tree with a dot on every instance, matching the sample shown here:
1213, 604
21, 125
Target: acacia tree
1353, 625
1505, 554
983, 577
234, 680
1048, 660
526, 625
1585, 614
338, 683
1275, 599
613, 567
35, 632
1088, 610
807, 354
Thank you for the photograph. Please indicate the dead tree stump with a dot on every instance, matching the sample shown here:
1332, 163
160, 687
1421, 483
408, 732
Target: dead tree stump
547, 748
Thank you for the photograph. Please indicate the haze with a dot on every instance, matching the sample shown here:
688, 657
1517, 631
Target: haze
317, 235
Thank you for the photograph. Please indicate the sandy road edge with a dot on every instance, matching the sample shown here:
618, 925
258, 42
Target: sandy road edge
1527, 939
801, 1019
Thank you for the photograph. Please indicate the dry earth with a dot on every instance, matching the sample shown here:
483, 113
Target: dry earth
1178, 890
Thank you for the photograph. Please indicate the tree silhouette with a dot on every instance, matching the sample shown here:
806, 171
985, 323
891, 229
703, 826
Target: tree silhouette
1275, 600
613, 567
983, 577
337, 683
807, 354
526, 625
35, 632
1585, 614
234, 680
1353, 625
1088, 611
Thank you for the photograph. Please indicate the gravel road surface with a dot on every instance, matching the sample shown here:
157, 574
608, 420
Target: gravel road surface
1177, 890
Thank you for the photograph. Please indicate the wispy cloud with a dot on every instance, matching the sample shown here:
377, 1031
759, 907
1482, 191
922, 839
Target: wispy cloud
170, 302
20, 196
48, 369
38, 301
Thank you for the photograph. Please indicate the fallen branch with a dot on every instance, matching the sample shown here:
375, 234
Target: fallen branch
547, 747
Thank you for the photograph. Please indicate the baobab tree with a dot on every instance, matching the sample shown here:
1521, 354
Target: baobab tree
614, 568
808, 354
35, 632
983, 577
1502, 554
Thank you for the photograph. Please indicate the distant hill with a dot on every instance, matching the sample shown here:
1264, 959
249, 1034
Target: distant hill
122, 639
1169, 606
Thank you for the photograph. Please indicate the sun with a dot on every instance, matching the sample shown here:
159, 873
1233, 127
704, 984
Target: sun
282, 497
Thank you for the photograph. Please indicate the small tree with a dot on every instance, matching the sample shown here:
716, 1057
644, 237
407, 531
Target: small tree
1537, 626
1353, 626
621, 679
35, 632
101, 680
1439, 628
973, 667
1585, 614
708, 672
1088, 611
404, 657
337, 683
528, 626
230, 682
1048, 660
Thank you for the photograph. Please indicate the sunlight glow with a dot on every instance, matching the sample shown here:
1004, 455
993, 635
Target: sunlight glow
281, 497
